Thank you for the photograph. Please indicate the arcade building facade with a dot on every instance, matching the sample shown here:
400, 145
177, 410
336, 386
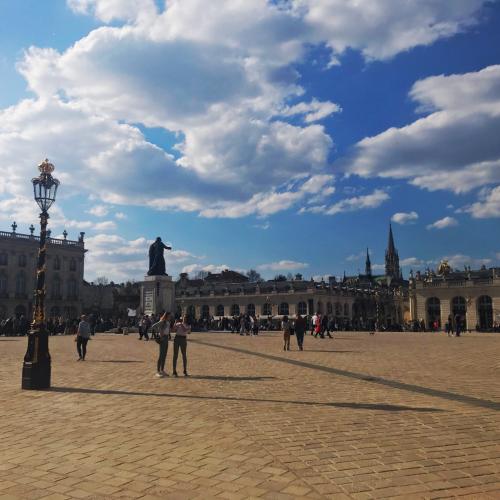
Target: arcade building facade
364, 301
444, 294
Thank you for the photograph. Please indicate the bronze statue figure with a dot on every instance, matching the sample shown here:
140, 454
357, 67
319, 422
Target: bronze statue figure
156, 259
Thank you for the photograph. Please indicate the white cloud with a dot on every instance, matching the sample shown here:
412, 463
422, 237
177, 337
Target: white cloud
109, 10
411, 261
368, 201
120, 215
222, 89
99, 211
404, 217
312, 111
356, 256
458, 261
455, 147
107, 225
192, 269
488, 205
443, 223
268, 203
283, 265
381, 29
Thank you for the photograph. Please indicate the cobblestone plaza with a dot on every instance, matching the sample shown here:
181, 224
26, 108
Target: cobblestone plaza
413, 415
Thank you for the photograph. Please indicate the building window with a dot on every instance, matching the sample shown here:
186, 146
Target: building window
205, 312
251, 309
57, 263
55, 312
22, 260
19, 311
72, 264
220, 310
4, 259
56, 287
72, 289
3, 312
302, 308
329, 308
319, 308
338, 309
235, 310
485, 312
3, 284
191, 312
70, 312
433, 311
283, 309
346, 310
21, 284
459, 310
267, 309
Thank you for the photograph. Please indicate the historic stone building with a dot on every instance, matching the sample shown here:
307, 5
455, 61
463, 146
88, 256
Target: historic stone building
64, 274
220, 295
474, 295
360, 301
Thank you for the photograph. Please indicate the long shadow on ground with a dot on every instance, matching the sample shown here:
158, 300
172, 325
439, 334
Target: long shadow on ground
357, 406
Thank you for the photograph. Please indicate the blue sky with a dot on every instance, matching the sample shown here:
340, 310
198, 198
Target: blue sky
281, 136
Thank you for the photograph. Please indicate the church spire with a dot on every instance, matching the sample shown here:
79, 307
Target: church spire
392, 258
368, 264
391, 247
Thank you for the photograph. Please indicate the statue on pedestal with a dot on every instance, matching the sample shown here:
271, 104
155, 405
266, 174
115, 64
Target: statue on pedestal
156, 259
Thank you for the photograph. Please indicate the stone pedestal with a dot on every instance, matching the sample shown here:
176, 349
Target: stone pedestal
157, 295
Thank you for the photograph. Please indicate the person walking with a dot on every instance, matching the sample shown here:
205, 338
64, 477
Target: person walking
300, 330
449, 326
82, 337
163, 327
286, 326
325, 327
317, 326
458, 325
182, 330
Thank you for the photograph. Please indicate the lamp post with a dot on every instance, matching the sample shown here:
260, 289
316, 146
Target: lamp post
36, 366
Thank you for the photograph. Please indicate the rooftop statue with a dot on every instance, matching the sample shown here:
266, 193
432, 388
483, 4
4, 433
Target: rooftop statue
444, 268
156, 259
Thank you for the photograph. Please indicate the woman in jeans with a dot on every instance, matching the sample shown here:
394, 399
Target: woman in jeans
286, 326
182, 330
163, 327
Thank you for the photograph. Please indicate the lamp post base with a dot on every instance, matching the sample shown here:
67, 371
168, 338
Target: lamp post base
37, 365
36, 376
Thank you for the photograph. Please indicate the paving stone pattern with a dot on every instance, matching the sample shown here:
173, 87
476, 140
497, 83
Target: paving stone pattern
384, 416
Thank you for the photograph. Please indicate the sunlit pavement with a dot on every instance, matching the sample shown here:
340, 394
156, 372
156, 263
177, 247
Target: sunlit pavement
411, 415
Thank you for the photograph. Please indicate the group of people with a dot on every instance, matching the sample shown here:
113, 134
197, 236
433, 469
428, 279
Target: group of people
319, 327
162, 331
165, 327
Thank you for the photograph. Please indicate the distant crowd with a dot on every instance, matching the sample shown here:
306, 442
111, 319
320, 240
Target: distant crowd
243, 323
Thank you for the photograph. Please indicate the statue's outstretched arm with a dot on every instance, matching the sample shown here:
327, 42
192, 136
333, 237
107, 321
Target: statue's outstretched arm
167, 247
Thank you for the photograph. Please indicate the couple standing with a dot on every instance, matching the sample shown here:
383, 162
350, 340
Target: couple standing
181, 329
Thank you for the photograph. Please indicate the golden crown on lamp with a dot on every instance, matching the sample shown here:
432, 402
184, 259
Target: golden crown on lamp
46, 167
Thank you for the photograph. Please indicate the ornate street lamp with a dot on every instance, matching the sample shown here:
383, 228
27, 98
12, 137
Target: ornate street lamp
36, 367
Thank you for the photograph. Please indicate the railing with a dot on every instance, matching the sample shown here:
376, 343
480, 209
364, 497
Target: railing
52, 241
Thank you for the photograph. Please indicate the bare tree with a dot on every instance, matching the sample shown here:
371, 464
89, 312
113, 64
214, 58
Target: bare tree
254, 276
